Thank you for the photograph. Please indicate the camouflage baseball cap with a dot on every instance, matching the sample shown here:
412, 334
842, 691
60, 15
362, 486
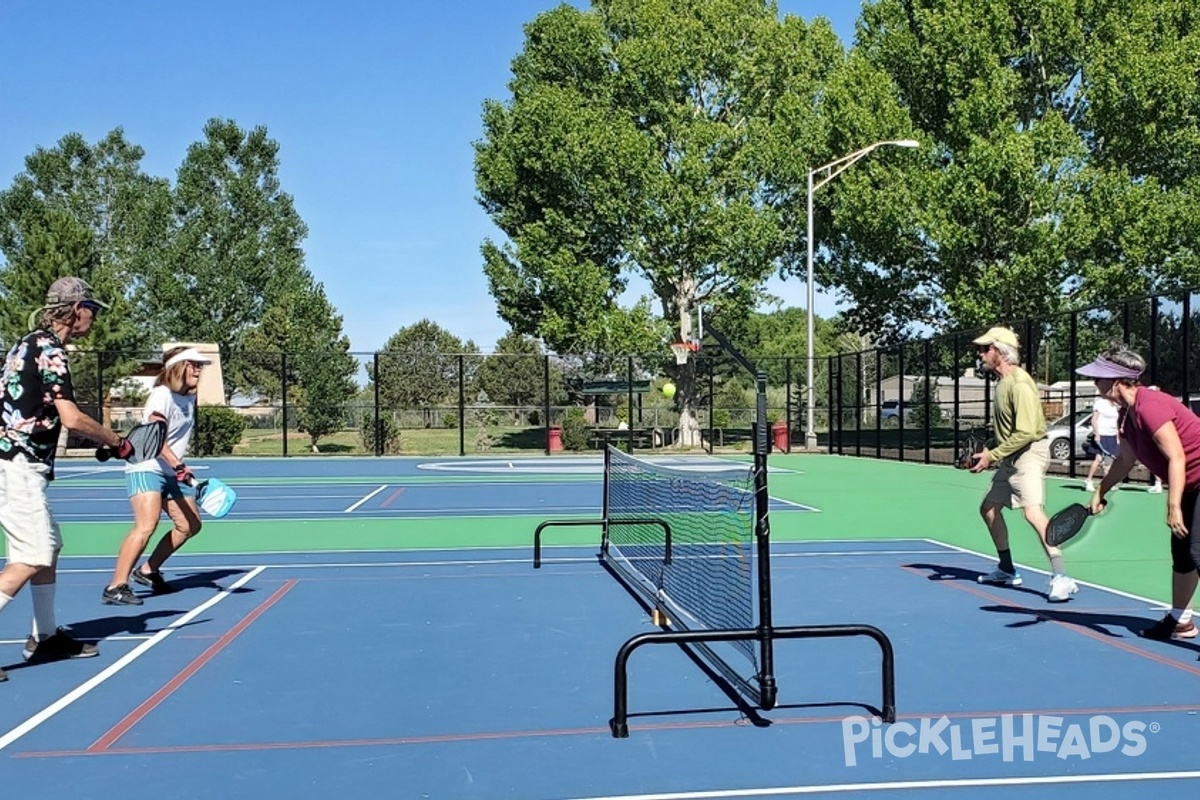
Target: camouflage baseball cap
69, 290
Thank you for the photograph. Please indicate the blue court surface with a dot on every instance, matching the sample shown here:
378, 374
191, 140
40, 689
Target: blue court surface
466, 673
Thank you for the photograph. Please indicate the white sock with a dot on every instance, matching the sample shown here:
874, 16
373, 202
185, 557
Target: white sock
1182, 615
43, 609
4, 600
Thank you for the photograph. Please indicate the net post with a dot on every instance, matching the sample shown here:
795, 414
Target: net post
604, 508
762, 536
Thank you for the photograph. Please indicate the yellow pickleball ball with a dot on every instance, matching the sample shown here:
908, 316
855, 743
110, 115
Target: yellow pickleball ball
668, 390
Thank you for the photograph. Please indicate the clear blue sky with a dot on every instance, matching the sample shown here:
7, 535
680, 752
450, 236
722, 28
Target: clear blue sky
374, 103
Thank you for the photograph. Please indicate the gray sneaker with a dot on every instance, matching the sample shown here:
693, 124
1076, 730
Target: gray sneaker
999, 577
57, 647
120, 595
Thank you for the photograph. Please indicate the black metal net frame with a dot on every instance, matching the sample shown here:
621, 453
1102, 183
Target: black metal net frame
760, 689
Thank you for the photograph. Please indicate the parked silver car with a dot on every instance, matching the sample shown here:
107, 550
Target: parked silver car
1059, 434
891, 409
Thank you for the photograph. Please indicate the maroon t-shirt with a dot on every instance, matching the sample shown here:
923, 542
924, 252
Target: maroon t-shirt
1151, 410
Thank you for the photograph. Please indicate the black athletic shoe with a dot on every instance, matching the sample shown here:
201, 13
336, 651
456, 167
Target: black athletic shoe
1167, 629
57, 647
3, 676
154, 580
120, 595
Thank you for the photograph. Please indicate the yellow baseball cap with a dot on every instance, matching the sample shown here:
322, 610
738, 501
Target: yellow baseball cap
998, 335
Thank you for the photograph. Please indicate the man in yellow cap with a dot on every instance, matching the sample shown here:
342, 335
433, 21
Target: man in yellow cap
1021, 456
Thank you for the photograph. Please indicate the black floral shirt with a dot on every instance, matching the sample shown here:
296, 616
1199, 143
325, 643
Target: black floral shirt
35, 375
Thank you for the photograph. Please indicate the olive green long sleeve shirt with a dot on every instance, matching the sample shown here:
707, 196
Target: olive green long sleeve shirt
1017, 416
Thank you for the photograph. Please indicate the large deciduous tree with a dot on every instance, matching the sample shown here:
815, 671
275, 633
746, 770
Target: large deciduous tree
88, 210
1062, 137
235, 251
642, 142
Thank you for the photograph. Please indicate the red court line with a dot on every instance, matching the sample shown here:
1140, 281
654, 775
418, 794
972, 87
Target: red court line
139, 713
1082, 631
450, 738
392, 497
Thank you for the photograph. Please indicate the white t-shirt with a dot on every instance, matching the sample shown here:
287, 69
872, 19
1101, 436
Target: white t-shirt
180, 413
1107, 414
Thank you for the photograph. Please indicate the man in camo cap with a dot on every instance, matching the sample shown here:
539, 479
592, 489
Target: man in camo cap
37, 399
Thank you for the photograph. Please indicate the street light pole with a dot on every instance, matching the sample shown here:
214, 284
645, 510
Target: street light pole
828, 172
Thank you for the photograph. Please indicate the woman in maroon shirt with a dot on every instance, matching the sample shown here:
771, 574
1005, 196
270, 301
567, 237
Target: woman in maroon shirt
1163, 434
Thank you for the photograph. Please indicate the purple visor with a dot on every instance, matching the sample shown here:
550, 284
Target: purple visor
1103, 368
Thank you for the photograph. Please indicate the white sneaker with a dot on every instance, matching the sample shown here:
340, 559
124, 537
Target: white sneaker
1061, 589
1088, 487
999, 577
1155, 489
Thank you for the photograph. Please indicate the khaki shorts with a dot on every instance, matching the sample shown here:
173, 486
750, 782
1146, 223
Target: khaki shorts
1020, 481
30, 530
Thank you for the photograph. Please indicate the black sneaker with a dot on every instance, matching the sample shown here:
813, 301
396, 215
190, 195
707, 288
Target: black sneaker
3, 676
154, 580
120, 595
57, 647
1167, 629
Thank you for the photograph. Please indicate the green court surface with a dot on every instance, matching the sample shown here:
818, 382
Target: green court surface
856, 499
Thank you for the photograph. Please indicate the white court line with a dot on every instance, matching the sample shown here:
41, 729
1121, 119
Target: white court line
886, 786
365, 499
81, 690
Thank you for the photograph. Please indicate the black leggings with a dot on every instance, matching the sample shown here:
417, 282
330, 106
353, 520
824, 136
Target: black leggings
1185, 552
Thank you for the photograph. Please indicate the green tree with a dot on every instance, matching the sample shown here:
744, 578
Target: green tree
86, 210
300, 340
1060, 160
514, 375
642, 140
922, 402
236, 250
418, 369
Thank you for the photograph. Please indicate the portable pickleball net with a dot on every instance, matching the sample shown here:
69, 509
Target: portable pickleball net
694, 548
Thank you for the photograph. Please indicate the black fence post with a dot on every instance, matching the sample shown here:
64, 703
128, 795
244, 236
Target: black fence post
284, 398
462, 406
378, 418
546, 397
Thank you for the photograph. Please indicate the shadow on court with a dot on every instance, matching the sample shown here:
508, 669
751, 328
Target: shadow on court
1104, 623
207, 579
942, 572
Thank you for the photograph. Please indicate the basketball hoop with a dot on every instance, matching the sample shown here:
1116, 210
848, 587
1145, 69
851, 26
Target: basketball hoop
682, 350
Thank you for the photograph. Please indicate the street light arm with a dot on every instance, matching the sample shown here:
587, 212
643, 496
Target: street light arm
838, 166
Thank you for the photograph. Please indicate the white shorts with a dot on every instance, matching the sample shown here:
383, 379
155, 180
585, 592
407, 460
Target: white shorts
30, 531
1020, 482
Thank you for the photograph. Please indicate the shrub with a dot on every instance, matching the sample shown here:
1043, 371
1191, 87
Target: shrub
389, 433
218, 430
575, 429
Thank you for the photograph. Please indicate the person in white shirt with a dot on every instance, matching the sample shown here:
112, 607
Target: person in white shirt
1157, 486
1106, 435
163, 483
